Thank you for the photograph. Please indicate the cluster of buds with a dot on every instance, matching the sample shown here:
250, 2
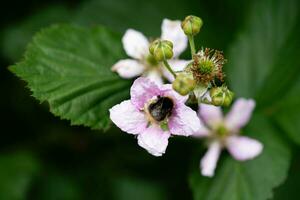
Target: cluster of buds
200, 75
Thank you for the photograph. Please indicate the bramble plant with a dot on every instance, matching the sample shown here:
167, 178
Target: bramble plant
159, 89
156, 110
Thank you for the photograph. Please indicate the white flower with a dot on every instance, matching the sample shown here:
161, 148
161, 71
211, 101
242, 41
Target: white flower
223, 132
136, 46
150, 106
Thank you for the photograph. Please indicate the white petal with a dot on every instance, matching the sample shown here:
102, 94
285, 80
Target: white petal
202, 132
154, 76
184, 121
211, 115
135, 44
204, 94
154, 140
171, 30
142, 90
243, 148
176, 65
128, 118
239, 114
209, 162
200, 91
128, 68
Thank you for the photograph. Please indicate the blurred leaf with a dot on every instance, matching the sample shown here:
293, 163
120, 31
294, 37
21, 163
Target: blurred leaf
283, 89
290, 189
16, 37
120, 15
16, 173
147, 16
261, 45
287, 113
57, 187
115, 12
69, 67
136, 189
248, 180
285, 74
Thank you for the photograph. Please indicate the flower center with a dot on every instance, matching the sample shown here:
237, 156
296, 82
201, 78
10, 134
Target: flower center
206, 66
161, 108
221, 131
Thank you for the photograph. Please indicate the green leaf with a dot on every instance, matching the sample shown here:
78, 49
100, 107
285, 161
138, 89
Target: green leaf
120, 15
290, 188
248, 180
15, 37
147, 17
115, 12
70, 68
281, 92
262, 44
16, 173
286, 113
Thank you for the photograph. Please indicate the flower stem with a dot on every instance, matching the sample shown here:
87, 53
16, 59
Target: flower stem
169, 68
192, 44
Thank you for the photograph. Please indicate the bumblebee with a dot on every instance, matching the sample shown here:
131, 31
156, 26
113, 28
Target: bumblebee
161, 108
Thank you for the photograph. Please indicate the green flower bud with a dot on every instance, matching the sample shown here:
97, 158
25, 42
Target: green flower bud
221, 96
229, 98
161, 50
191, 25
184, 83
217, 96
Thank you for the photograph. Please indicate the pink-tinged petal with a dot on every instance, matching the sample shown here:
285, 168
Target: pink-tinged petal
154, 76
239, 114
171, 30
135, 44
202, 132
177, 66
128, 118
243, 148
184, 121
154, 140
209, 162
142, 90
128, 68
167, 90
211, 115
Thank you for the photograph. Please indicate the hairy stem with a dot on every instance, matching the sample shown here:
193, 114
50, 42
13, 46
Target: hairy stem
169, 68
192, 45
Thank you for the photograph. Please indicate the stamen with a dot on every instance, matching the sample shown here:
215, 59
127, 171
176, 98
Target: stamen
208, 65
